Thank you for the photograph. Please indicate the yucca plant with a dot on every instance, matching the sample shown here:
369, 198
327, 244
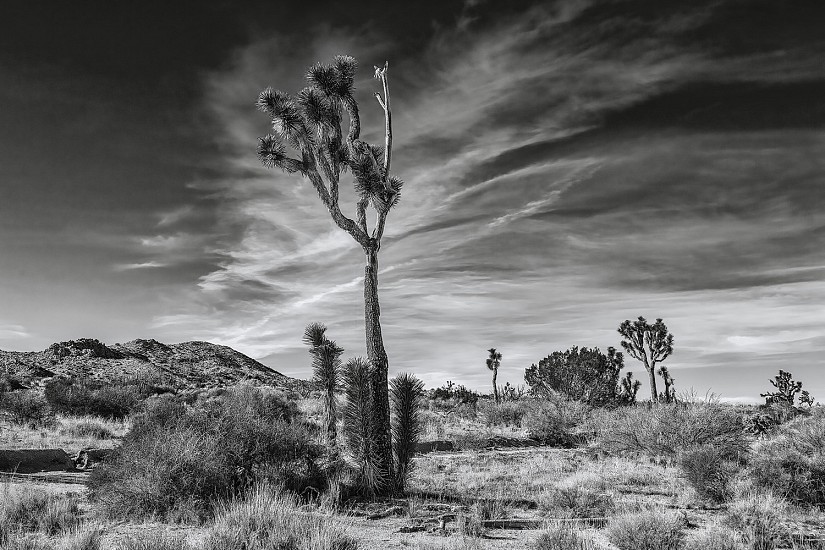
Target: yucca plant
310, 125
493, 363
326, 373
359, 423
406, 392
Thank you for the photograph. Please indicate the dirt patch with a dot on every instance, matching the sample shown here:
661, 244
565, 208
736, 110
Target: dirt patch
29, 461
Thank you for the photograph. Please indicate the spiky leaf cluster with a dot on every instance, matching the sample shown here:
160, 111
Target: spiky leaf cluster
326, 373
406, 393
646, 342
359, 420
311, 124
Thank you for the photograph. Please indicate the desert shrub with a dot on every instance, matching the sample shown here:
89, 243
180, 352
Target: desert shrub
177, 459
666, 430
451, 395
792, 463
27, 408
714, 537
30, 510
647, 531
471, 524
86, 397
710, 471
264, 519
767, 419
85, 538
579, 374
758, 517
560, 537
554, 421
504, 413
580, 502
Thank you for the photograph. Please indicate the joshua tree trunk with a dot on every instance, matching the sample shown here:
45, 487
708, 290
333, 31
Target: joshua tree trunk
654, 395
495, 384
379, 363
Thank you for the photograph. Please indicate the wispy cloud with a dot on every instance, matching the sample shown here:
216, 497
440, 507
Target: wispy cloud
567, 167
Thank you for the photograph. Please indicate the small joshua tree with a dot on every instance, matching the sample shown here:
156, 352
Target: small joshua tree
493, 363
406, 392
649, 344
669, 395
326, 373
310, 124
628, 389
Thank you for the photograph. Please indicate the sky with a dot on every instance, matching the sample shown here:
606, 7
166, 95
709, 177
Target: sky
568, 164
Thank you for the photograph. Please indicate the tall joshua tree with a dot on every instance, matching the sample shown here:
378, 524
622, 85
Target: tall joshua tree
310, 125
649, 344
493, 363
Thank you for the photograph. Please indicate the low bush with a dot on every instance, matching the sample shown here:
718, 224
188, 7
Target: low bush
86, 397
561, 537
710, 471
554, 421
27, 408
579, 502
178, 459
504, 413
264, 519
758, 517
792, 463
666, 430
647, 531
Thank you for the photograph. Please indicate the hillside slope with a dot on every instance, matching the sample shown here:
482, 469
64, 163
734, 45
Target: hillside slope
189, 365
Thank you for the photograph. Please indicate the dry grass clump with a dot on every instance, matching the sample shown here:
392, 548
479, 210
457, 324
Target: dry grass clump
560, 537
714, 537
504, 413
651, 530
758, 517
710, 471
264, 519
156, 540
34, 511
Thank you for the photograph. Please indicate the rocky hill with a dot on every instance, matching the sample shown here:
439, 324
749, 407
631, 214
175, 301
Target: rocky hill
189, 365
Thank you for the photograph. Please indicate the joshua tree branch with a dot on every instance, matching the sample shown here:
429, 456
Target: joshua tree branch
385, 104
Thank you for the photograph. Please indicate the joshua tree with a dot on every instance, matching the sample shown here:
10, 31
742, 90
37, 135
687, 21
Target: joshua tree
310, 124
629, 389
326, 373
649, 344
669, 394
786, 391
407, 392
493, 363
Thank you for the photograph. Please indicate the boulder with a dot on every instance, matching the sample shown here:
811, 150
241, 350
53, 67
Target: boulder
30, 461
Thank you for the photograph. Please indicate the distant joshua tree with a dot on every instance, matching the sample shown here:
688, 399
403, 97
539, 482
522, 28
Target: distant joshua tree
786, 391
310, 124
493, 363
629, 388
649, 344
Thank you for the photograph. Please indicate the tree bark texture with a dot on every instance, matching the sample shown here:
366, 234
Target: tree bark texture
654, 395
379, 363
495, 385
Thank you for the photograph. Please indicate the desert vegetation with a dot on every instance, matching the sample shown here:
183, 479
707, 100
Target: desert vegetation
356, 459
